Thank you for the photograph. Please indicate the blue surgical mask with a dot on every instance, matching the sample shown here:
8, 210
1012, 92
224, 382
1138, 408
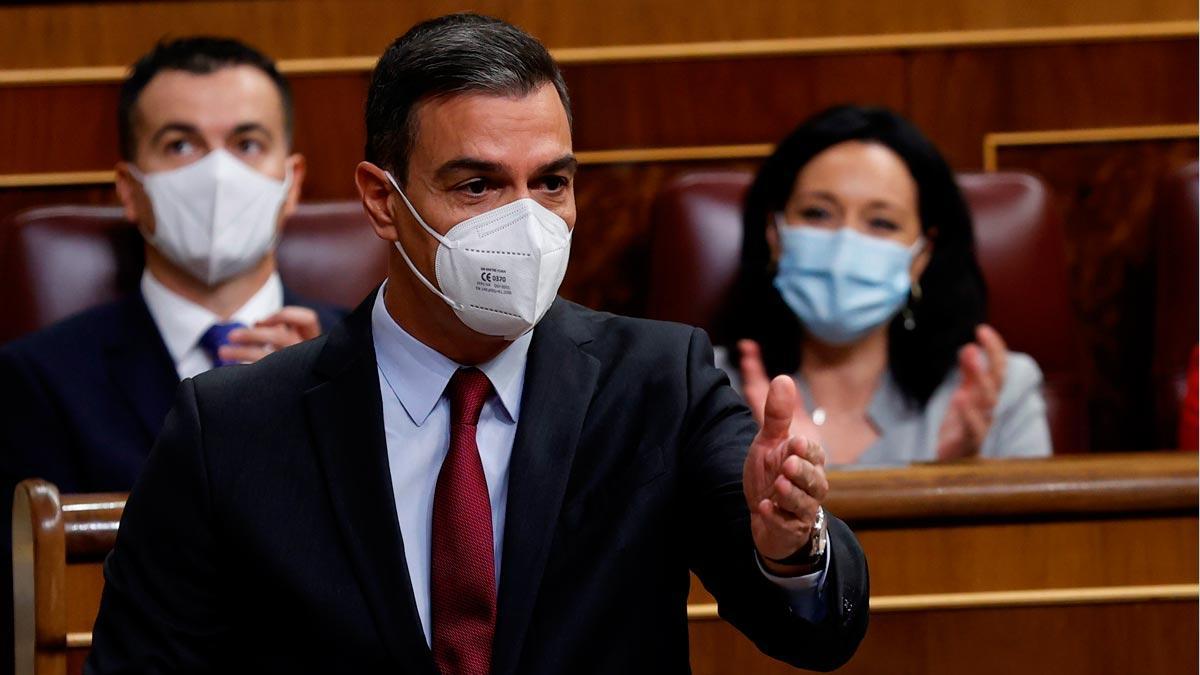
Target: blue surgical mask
841, 283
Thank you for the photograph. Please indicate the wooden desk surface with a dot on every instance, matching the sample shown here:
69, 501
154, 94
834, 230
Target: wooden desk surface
1077, 564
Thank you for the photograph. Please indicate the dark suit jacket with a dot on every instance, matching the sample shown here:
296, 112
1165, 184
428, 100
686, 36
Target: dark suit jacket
262, 536
88, 395
81, 403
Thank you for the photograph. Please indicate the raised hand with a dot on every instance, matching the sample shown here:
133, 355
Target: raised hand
755, 385
285, 328
783, 480
969, 417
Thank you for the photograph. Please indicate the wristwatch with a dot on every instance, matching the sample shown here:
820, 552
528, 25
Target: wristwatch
814, 551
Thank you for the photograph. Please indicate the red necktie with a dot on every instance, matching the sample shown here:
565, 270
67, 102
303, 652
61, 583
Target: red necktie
463, 583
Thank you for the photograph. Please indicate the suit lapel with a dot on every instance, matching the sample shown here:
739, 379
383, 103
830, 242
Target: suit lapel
140, 367
559, 383
346, 419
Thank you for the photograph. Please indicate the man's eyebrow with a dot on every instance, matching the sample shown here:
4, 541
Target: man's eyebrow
247, 127
564, 163
173, 126
468, 164
475, 165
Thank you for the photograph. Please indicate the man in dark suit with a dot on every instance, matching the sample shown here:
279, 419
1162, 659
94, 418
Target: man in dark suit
469, 475
88, 395
209, 177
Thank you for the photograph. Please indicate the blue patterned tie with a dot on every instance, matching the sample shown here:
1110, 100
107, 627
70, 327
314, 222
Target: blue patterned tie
216, 337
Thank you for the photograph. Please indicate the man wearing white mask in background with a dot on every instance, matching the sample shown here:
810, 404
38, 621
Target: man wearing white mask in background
208, 175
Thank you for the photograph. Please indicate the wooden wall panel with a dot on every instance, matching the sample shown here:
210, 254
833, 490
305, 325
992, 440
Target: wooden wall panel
58, 128
1109, 639
722, 101
958, 96
1106, 192
57, 34
330, 131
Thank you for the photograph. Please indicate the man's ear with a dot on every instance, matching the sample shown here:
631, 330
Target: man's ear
298, 166
376, 192
133, 197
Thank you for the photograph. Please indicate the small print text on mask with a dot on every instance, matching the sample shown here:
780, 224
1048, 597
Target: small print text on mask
492, 280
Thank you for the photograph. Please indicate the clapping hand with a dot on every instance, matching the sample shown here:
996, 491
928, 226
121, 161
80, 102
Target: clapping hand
969, 416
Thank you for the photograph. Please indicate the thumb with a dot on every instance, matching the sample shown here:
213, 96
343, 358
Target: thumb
780, 408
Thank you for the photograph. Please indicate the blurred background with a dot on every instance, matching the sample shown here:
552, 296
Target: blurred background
1099, 99
1082, 564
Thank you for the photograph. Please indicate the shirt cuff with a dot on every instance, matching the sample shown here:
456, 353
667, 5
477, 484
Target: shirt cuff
805, 594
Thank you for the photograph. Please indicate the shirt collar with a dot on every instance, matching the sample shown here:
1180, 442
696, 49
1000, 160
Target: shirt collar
182, 322
418, 374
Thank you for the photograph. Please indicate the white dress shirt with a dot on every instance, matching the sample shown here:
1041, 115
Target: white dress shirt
182, 323
416, 422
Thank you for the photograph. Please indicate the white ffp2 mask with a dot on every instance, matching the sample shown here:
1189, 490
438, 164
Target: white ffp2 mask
215, 217
500, 270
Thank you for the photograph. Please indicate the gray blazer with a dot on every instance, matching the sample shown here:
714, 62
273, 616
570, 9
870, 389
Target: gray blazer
908, 433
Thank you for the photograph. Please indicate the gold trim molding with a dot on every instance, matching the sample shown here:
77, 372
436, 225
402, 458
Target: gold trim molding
994, 141
56, 178
1007, 599
946, 601
878, 42
675, 154
569, 56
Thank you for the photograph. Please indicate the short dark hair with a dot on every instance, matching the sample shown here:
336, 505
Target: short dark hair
453, 54
198, 55
953, 295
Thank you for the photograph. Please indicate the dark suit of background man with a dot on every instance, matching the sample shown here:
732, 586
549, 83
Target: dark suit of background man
438, 486
208, 176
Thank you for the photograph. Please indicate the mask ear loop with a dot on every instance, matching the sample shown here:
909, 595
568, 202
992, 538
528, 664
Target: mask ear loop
283, 195
779, 221
413, 210
141, 180
404, 254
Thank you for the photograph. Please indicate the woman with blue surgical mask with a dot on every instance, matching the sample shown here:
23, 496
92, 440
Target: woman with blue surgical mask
859, 278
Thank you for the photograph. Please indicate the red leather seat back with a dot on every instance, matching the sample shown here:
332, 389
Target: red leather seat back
1021, 248
58, 260
1176, 233
696, 248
